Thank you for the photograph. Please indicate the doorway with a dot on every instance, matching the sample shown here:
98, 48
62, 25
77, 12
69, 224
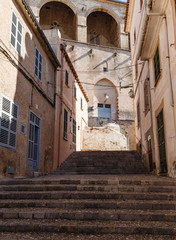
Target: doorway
33, 142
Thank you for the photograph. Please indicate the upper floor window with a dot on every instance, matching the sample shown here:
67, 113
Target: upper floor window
66, 77
65, 123
134, 36
138, 115
81, 103
146, 95
8, 123
16, 34
38, 64
74, 91
157, 65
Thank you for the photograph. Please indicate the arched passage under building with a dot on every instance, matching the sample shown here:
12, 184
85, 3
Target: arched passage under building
102, 29
59, 15
105, 100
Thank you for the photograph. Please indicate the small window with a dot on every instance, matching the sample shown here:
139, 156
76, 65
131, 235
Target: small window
81, 103
138, 115
38, 64
65, 123
107, 106
66, 77
16, 34
74, 91
8, 123
22, 129
157, 65
146, 95
100, 105
74, 131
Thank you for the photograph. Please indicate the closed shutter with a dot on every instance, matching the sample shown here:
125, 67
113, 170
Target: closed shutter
38, 64
16, 34
65, 123
8, 123
161, 142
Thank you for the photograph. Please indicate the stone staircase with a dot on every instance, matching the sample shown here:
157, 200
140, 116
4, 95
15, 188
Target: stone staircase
102, 162
84, 206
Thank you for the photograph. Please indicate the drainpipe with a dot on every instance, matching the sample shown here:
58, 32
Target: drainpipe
166, 49
60, 110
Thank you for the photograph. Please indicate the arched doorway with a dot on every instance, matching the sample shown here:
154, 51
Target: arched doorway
102, 29
105, 100
59, 15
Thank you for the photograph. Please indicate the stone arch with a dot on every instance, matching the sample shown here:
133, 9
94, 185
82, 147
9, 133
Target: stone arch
103, 28
106, 93
58, 14
101, 9
43, 2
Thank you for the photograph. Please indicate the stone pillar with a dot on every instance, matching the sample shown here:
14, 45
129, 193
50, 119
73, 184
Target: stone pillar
124, 40
82, 29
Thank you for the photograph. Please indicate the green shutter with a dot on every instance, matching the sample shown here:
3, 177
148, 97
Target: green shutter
161, 142
157, 64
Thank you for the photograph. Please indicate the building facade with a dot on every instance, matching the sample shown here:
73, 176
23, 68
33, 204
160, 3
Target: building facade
27, 93
43, 106
151, 25
93, 34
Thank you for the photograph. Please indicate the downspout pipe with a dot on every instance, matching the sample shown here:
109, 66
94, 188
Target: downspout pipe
166, 50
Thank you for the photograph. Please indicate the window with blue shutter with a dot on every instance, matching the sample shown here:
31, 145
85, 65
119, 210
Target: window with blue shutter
16, 34
8, 123
38, 64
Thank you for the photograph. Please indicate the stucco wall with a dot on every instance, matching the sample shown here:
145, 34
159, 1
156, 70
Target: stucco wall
17, 88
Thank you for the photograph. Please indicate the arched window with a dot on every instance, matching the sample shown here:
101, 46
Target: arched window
102, 29
59, 15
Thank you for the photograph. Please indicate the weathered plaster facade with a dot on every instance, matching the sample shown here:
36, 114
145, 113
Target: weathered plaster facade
97, 45
21, 89
151, 27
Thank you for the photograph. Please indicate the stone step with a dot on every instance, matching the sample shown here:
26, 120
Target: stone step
85, 187
86, 227
87, 195
72, 236
89, 204
143, 180
89, 215
97, 162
